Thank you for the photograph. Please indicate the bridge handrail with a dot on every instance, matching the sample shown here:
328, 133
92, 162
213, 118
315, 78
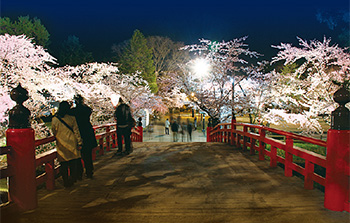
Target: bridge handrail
277, 131
243, 139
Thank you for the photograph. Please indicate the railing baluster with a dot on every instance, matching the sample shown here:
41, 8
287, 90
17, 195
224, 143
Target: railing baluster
288, 171
108, 139
252, 146
101, 152
233, 130
238, 142
262, 144
50, 175
309, 171
245, 130
273, 158
225, 128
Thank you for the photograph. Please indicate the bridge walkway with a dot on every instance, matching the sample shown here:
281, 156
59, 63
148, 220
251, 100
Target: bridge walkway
181, 182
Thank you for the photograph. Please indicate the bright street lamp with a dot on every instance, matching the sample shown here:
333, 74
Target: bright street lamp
201, 67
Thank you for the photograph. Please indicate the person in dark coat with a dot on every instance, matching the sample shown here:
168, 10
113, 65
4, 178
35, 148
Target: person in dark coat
175, 129
125, 122
189, 130
82, 114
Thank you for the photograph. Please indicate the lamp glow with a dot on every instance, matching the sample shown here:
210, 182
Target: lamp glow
201, 67
115, 99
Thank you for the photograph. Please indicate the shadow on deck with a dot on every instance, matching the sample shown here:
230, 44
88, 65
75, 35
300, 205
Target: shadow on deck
181, 182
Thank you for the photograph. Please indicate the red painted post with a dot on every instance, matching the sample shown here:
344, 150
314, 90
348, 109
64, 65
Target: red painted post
20, 136
238, 140
208, 133
288, 171
273, 158
245, 130
338, 155
337, 181
229, 135
50, 175
22, 186
141, 133
233, 128
108, 138
113, 139
252, 147
101, 146
225, 134
309, 170
262, 144
94, 153
132, 137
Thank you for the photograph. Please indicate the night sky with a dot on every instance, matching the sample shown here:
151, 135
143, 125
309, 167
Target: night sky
100, 23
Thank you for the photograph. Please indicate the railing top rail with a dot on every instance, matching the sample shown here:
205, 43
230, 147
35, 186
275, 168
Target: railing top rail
45, 156
39, 142
104, 126
134, 131
49, 139
280, 132
5, 150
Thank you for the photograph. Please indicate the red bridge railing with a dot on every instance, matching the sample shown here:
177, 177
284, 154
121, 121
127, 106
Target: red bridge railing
46, 162
256, 138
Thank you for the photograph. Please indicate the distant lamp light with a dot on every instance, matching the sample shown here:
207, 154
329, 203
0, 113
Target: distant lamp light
201, 67
115, 99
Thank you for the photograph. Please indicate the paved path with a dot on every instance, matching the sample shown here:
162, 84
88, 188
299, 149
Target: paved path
182, 182
158, 135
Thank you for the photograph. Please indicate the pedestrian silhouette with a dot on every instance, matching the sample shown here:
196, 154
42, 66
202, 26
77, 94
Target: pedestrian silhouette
125, 122
68, 143
82, 114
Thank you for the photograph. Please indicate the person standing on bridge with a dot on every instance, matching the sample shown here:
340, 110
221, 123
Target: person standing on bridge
69, 143
125, 122
82, 114
167, 125
175, 129
189, 130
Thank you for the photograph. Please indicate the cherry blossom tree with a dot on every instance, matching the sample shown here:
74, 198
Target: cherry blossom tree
23, 62
227, 64
170, 90
98, 82
305, 94
252, 95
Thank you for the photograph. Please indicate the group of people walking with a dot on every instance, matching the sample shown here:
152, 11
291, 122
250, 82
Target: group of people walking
75, 137
178, 127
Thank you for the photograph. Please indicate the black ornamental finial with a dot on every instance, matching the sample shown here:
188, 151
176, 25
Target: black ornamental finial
19, 115
341, 116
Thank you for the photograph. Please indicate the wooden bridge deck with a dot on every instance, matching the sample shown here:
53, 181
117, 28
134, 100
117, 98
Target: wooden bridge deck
181, 182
